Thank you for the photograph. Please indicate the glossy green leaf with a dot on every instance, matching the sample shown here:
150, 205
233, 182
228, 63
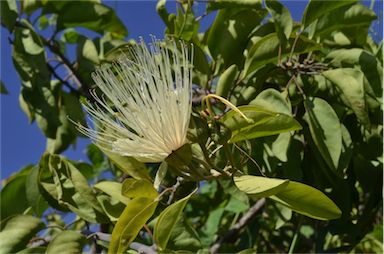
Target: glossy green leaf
325, 129
98, 17
273, 100
220, 4
184, 237
264, 123
30, 62
266, 50
64, 184
112, 207
186, 27
308, 201
70, 35
226, 81
351, 83
34, 250
226, 43
17, 232
70, 111
279, 145
66, 242
137, 212
316, 9
113, 189
129, 165
14, 189
365, 61
282, 19
34, 198
160, 175
167, 221
343, 18
138, 188
9, 13
260, 187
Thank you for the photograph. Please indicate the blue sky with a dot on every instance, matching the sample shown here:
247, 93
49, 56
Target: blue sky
22, 143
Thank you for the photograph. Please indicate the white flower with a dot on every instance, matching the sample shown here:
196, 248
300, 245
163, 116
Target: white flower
146, 106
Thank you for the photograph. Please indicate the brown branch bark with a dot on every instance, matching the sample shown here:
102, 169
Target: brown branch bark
235, 229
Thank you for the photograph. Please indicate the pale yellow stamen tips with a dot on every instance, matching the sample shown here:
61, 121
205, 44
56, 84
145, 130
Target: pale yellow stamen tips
146, 104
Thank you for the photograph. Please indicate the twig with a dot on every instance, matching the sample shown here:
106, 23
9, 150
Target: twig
235, 229
142, 248
174, 188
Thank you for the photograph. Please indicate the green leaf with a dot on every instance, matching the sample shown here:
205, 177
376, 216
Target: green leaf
14, 189
260, 187
282, 19
138, 188
184, 237
325, 129
220, 4
273, 100
34, 250
365, 61
266, 50
37, 93
316, 9
160, 175
113, 189
66, 242
9, 13
129, 165
226, 81
186, 27
43, 22
98, 17
351, 83
344, 18
70, 111
17, 232
308, 201
64, 183
346, 151
264, 123
111, 206
137, 212
34, 198
26, 108
226, 42
167, 221
70, 35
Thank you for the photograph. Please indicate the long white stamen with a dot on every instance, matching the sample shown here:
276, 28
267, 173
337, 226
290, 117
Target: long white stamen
146, 106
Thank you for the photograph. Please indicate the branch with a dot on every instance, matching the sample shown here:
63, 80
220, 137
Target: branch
235, 229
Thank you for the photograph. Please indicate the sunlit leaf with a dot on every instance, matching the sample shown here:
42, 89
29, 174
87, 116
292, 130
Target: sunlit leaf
264, 123
167, 221
325, 129
9, 13
259, 187
307, 200
135, 215
66, 242
138, 188
17, 232
351, 83
316, 9
15, 189
113, 189
282, 19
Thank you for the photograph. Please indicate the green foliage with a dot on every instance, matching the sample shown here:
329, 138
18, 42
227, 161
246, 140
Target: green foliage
295, 116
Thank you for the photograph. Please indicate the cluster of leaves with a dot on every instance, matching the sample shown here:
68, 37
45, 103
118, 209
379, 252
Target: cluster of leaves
305, 132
